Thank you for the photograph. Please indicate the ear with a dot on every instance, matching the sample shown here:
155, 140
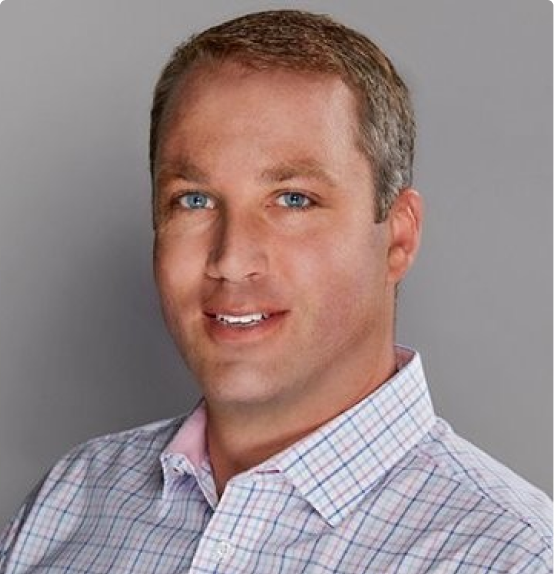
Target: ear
404, 220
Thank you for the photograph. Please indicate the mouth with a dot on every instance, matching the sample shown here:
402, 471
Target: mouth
241, 321
236, 326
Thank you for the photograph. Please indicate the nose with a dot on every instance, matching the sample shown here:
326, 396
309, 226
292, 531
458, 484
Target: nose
239, 249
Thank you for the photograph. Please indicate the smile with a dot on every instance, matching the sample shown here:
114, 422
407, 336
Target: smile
242, 320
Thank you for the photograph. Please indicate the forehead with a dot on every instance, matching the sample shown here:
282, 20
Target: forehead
233, 124
229, 91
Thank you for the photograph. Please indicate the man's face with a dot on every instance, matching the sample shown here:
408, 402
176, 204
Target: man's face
272, 274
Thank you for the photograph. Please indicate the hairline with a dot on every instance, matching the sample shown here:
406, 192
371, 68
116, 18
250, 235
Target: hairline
207, 63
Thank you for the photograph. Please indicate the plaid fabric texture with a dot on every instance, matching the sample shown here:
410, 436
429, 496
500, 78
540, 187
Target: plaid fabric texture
385, 487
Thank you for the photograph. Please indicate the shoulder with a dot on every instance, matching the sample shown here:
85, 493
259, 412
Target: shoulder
479, 475
500, 517
87, 484
120, 457
104, 458
138, 441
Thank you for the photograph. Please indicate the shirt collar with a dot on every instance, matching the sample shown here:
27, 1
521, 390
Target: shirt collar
190, 440
187, 454
336, 465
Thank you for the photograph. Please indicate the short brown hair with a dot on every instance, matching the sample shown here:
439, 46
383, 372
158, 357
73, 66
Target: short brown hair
302, 41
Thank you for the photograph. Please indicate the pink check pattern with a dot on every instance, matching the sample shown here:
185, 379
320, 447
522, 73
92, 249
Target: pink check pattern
386, 487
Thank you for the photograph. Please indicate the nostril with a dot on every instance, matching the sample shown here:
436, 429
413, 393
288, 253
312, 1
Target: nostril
237, 261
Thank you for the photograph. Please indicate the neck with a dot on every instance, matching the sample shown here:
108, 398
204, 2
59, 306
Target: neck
241, 437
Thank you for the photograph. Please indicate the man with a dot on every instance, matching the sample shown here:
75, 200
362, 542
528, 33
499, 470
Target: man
281, 156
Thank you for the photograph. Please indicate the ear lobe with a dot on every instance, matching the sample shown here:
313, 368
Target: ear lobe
405, 220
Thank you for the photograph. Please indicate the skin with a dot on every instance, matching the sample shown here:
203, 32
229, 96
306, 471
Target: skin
264, 203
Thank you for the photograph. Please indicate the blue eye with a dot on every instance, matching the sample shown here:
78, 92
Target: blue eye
196, 200
294, 200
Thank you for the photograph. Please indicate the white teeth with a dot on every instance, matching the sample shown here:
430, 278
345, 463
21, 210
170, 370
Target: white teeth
249, 319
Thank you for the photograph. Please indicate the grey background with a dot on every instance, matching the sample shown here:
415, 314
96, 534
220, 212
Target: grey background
83, 350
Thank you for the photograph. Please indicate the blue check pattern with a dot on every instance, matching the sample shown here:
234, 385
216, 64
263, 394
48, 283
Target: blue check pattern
384, 487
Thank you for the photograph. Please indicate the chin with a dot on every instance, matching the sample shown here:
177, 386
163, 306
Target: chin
239, 389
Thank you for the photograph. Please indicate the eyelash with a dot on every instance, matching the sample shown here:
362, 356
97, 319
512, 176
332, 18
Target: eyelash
310, 202
180, 201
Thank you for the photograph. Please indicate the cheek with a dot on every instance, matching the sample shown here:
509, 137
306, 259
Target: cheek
343, 275
347, 257
177, 265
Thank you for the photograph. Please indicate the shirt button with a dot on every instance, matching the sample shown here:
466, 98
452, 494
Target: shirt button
223, 550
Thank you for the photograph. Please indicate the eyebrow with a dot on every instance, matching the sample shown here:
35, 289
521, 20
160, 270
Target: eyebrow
306, 168
183, 169
301, 168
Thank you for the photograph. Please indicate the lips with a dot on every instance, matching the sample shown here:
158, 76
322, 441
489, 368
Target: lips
225, 325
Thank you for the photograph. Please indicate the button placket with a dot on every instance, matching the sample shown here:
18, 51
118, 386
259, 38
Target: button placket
223, 550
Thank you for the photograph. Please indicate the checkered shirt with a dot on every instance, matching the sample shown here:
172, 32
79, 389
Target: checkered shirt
384, 487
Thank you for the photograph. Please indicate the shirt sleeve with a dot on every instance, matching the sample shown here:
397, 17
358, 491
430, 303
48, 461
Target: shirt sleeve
538, 564
10, 535
527, 554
